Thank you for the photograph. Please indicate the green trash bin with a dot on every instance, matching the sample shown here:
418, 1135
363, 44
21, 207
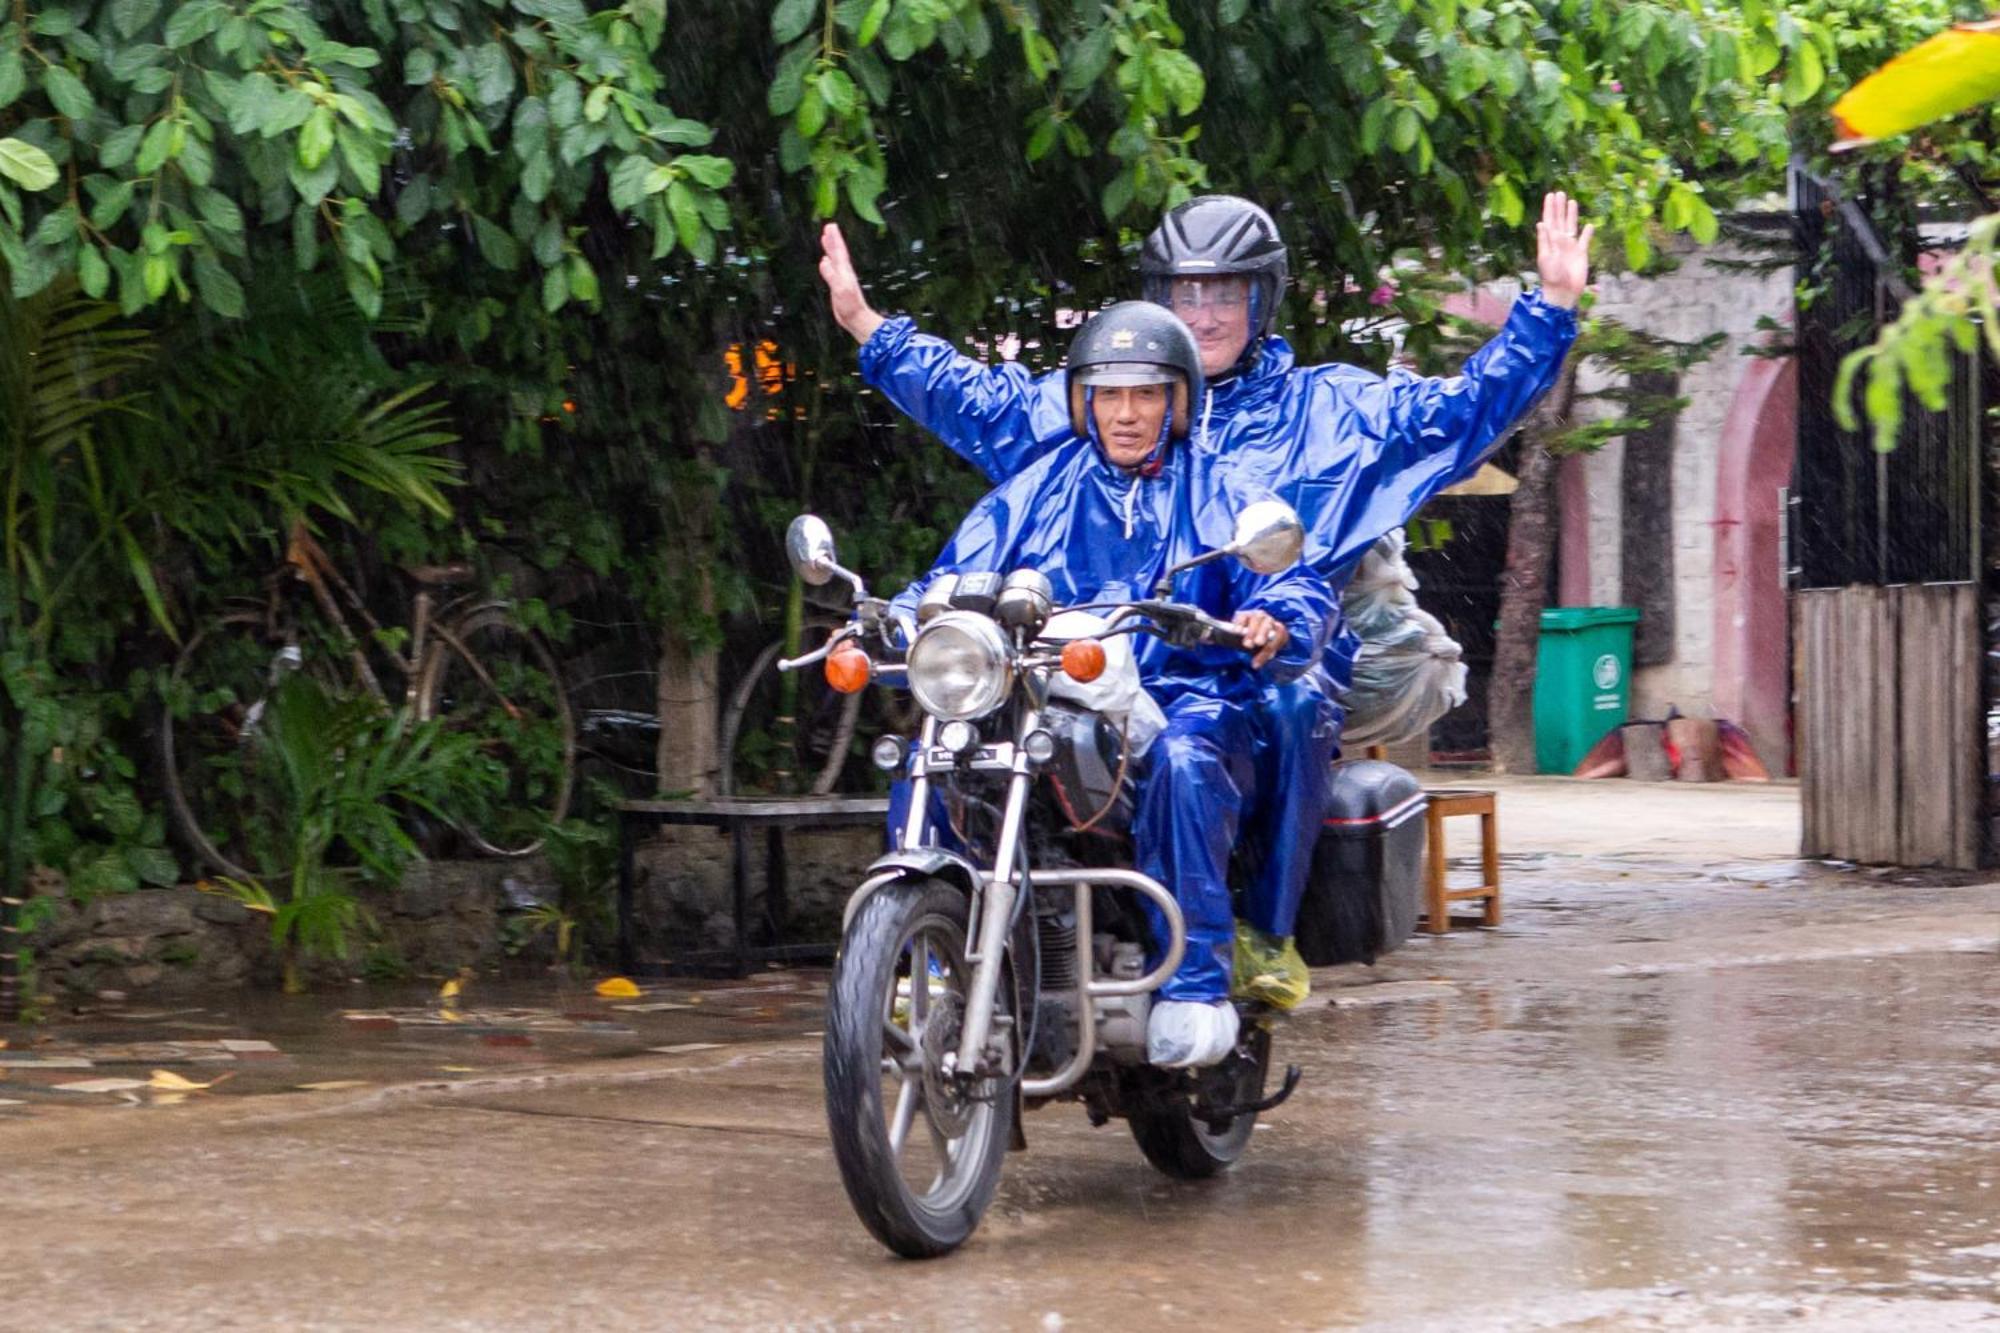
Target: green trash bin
1582, 681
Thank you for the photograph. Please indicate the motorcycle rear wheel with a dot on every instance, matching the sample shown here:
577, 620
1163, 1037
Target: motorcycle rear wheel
1180, 1142
898, 988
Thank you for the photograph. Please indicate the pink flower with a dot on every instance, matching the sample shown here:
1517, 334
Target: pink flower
1617, 86
1382, 295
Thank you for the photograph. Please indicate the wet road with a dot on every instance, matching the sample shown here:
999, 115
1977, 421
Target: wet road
1765, 1099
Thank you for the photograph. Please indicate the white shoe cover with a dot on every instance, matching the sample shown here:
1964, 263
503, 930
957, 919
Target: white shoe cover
1183, 1034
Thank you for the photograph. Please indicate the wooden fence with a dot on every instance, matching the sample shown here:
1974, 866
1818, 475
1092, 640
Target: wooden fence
1890, 723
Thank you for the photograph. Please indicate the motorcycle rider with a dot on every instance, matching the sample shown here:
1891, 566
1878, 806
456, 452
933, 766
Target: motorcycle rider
1356, 454
1102, 515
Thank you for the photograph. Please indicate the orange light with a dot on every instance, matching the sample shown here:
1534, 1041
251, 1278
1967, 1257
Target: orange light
847, 669
1083, 660
569, 404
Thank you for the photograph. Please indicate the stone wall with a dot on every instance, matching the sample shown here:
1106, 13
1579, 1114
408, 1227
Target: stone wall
180, 942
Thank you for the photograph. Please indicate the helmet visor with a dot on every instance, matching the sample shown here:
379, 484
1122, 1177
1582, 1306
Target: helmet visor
1115, 374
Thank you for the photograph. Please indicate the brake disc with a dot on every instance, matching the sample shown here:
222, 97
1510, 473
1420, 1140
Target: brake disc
948, 1100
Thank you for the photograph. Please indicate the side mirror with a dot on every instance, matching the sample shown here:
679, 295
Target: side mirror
809, 546
1269, 537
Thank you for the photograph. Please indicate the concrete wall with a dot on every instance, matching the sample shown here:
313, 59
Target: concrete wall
1709, 500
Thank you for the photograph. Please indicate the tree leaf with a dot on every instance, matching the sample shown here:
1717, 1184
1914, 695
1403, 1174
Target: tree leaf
195, 20
555, 289
13, 76
92, 273
500, 250
1117, 195
26, 165
316, 138
1087, 58
537, 176
1403, 127
1804, 75
129, 16
790, 19
67, 93
582, 280
685, 133
153, 150
713, 172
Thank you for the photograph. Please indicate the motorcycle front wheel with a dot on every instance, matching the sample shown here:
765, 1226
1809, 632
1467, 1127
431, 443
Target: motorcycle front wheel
919, 1152
1178, 1140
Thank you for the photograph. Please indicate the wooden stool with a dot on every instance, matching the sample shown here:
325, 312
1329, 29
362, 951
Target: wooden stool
1437, 897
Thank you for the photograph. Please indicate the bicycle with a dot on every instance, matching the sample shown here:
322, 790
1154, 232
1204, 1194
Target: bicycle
470, 665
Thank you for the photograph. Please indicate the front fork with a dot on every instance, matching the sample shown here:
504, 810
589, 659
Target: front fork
988, 948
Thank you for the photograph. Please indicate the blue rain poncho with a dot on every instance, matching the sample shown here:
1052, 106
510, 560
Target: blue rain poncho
1357, 454
1354, 452
1100, 534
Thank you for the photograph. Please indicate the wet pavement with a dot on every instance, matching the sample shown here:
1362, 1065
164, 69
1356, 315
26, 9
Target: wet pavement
1671, 1092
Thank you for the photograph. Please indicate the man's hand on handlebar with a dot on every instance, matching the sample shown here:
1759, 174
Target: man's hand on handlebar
1263, 635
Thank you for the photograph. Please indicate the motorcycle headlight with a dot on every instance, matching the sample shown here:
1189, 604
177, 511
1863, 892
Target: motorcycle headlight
960, 668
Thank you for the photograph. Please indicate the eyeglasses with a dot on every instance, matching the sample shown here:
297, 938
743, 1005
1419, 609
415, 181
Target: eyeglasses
1221, 297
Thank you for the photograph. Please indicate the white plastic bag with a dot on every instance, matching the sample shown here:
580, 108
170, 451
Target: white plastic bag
1116, 693
1409, 672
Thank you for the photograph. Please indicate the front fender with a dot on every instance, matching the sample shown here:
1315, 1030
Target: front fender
913, 863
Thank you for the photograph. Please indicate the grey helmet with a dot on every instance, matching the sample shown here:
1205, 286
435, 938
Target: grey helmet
1135, 342
1212, 235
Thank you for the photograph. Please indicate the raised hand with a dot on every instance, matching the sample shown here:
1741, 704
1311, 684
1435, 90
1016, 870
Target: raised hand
843, 287
1562, 254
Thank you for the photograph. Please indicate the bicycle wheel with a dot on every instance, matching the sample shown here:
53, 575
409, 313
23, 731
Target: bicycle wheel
214, 704
769, 751
490, 680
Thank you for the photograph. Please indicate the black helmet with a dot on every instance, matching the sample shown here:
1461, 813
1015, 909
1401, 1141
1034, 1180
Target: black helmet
1135, 342
1215, 234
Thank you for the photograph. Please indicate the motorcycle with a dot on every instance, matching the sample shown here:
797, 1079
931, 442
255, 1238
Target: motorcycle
998, 959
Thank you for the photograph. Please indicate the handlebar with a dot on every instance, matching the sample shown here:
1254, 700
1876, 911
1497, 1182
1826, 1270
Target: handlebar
1178, 623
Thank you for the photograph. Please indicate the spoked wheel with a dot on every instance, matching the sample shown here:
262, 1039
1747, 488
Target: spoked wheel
1176, 1138
785, 734
919, 1151
216, 701
490, 679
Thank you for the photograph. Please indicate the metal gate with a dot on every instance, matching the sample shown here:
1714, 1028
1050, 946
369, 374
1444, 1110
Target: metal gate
1891, 695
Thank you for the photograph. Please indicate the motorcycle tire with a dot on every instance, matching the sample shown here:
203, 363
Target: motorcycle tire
868, 999
1180, 1143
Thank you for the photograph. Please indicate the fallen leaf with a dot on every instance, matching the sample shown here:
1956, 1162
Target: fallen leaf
167, 1080
617, 988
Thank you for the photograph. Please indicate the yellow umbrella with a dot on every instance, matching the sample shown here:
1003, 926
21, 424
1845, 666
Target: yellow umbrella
1957, 69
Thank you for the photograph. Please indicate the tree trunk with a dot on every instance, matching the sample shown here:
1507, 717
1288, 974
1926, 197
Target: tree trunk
1531, 541
690, 706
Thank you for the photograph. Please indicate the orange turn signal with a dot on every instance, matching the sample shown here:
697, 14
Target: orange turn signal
1083, 660
847, 669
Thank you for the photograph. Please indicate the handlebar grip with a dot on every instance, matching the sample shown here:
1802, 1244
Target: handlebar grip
1223, 634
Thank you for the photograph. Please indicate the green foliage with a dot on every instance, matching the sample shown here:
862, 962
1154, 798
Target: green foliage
583, 857
336, 777
1914, 354
86, 815
152, 144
